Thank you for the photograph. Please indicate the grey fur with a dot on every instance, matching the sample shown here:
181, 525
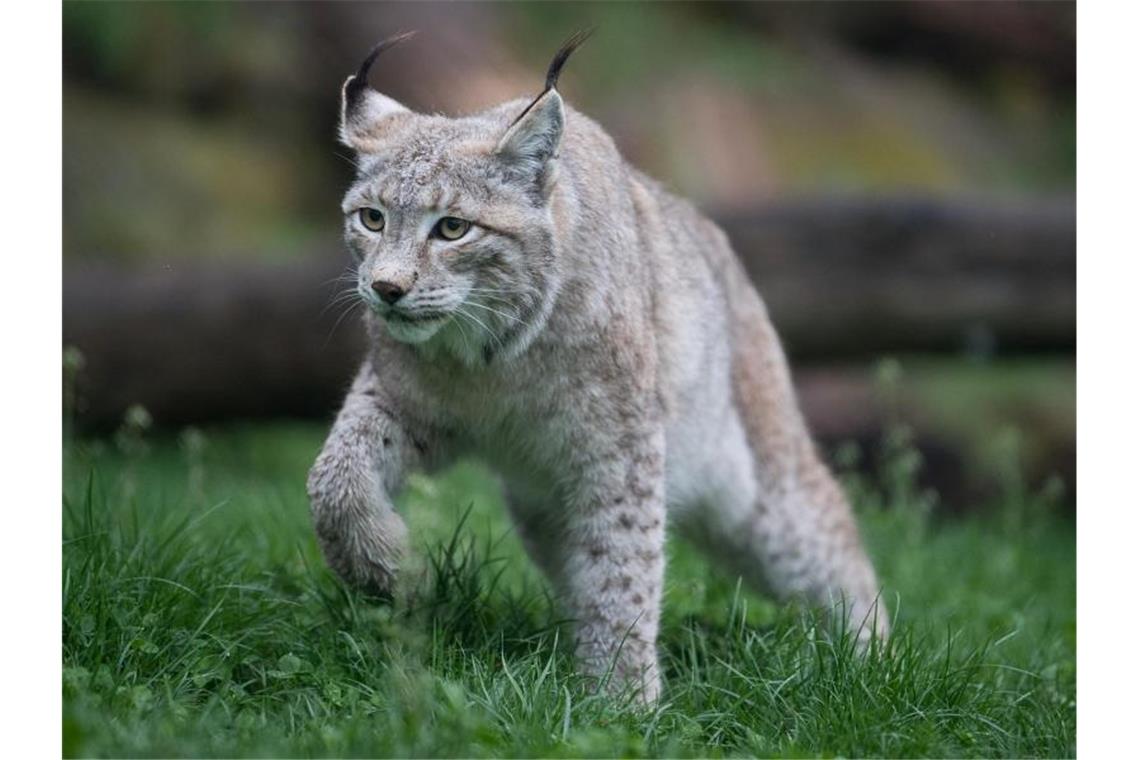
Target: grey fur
593, 339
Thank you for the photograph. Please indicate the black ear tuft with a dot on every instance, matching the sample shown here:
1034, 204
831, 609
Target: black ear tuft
556, 65
563, 53
358, 82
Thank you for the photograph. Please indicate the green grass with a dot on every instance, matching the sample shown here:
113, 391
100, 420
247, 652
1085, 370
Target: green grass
199, 620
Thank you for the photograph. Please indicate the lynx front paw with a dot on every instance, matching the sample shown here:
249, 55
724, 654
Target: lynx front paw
868, 621
626, 663
635, 676
361, 536
363, 548
644, 681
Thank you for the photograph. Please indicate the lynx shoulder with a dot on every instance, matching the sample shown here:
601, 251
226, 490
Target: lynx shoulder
535, 302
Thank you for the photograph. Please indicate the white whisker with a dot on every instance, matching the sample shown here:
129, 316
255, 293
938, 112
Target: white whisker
482, 324
463, 332
336, 324
504, 315
340, 298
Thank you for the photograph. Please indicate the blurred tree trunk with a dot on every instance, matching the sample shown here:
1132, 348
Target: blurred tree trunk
842, 278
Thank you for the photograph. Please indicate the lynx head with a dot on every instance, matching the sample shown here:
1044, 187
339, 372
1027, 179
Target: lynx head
449, 219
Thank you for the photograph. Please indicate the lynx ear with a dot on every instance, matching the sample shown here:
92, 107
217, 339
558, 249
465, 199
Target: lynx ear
532, 140
363, 111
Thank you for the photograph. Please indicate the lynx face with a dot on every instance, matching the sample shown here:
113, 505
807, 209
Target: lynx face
449, 241
449, 219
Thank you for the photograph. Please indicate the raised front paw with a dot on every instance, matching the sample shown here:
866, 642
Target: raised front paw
365, 549
360, 535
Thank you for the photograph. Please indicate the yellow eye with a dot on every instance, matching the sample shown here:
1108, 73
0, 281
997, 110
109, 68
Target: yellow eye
372, 218
452, 228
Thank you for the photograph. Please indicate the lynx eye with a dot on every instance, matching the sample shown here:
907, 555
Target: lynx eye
372, 218
452, 227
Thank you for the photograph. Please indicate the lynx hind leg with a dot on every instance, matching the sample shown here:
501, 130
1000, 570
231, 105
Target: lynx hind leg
798, 538
810, 546
801, 544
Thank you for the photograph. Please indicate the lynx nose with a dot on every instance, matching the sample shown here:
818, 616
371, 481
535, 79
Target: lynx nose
389, 292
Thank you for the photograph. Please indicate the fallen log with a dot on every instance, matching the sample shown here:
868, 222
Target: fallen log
862, 277
195, 342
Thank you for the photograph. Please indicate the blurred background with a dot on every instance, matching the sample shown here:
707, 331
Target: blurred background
899, 179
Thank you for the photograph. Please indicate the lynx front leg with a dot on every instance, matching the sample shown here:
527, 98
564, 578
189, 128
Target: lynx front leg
361, 465
614, 565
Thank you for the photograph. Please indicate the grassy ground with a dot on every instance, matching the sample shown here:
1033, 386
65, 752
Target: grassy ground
199, 620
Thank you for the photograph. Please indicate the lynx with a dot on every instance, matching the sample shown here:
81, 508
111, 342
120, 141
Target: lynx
537, 303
